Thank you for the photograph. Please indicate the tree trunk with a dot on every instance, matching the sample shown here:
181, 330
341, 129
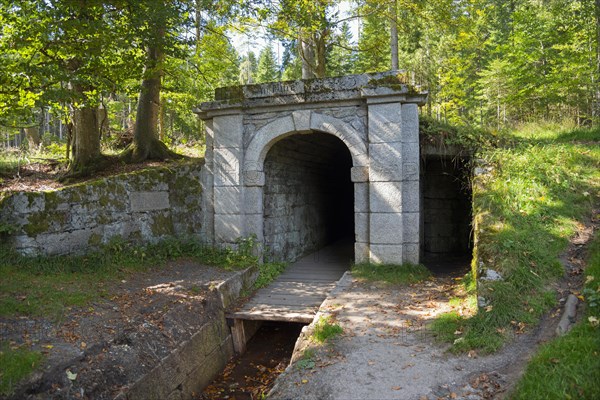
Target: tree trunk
146, 145
86, 139
307, 56
312, 54
102, 118
394, 34
32, 134
320, 55
161, 121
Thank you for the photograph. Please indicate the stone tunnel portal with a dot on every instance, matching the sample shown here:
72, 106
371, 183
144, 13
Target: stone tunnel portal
308, 196
359, 128
446, 191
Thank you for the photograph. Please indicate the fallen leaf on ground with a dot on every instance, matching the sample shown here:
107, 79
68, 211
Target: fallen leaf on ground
396, 387
71, 376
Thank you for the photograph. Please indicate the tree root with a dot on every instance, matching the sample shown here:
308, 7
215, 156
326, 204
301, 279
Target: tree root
155, 150
79, 171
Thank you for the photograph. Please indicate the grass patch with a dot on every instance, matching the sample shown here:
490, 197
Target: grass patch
12, 160
268, 272
540, 184
324, 330
49, 285
569, 367
468, 138
308, 359
16, 364
9, 163
391, 273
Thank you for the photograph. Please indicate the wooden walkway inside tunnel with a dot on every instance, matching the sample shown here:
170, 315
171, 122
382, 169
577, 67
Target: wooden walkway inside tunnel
296, 295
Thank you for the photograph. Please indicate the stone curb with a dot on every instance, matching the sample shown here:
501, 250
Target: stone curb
568, 317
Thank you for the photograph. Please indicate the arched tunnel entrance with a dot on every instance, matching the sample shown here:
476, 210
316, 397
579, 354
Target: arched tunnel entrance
308, 196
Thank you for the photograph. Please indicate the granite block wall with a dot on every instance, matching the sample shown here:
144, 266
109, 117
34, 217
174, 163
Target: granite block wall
143, 207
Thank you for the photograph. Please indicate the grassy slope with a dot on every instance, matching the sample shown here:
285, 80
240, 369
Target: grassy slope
569, 367
539, 188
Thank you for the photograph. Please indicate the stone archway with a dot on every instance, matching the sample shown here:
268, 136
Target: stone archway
378, 123
304, 123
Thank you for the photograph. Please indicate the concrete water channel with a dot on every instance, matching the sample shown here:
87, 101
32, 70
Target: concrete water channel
295, 296
266, 326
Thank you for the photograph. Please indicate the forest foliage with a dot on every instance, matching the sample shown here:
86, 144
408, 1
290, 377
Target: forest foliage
77, 71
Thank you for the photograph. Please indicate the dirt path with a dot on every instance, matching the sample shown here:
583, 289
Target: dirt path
386, 351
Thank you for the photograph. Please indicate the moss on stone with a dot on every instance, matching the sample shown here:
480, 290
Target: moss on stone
4, 196
182, 187
36, 223
187, 183
31, 197
95, 239
41, 222
396, 82
104, 200
135, 236
232, 94
112, 195
103, 219
162, 224
75, 197
400, 79
52, 200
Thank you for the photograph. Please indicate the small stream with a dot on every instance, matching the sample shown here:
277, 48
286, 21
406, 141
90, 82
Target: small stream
251, 375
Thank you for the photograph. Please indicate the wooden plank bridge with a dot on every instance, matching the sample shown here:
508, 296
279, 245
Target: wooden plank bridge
296, 295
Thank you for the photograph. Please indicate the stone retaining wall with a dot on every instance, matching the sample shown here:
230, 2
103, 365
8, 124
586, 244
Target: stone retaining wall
143, 207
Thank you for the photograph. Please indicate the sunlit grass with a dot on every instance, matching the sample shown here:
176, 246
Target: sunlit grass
539, 190
325, 330
569, 367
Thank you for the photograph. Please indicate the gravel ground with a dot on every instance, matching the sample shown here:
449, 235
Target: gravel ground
387, 352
